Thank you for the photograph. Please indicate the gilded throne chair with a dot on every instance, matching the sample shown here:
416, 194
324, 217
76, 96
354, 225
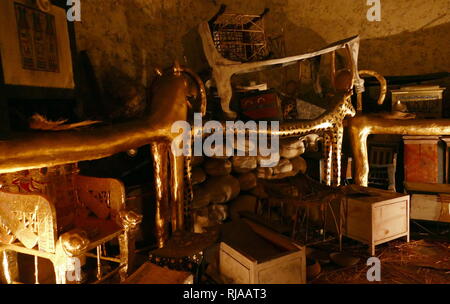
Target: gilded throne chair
56, 214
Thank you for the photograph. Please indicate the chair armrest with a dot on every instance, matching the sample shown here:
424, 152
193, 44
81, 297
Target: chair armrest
128, 220
73, 243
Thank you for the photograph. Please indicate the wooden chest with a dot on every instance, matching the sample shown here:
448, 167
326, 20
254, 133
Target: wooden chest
378, 218
288, 267
423, 159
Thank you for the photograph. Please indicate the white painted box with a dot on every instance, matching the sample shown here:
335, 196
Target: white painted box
379, 218
289, 267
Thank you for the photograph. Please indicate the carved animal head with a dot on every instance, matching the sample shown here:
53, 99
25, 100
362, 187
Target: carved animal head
129, 220
312, 141
348, 108
340, 107
344, 106
74, 242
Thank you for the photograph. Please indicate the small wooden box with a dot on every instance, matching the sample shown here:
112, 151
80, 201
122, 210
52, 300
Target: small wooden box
289, 267
381, 217
423, 159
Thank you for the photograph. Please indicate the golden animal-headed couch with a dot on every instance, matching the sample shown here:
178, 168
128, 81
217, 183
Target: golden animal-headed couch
48, 210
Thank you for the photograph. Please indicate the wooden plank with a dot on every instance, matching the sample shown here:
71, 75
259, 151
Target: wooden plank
248, 262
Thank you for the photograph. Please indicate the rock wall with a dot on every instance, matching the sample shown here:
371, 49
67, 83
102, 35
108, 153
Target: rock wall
133, 36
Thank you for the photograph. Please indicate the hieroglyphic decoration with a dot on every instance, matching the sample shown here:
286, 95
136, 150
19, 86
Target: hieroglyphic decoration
30, 218
37, 39
423, 100
99, 202
27, 219
56, 183
6, 235
27, 183
35, 45
102, 196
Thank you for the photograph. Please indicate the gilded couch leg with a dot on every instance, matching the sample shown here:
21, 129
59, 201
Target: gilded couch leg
336, 155
177, 191
9, 269
328, 149
358, 142
129, 221
160, 154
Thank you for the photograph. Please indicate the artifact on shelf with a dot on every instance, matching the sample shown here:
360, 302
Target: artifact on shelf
425, 101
